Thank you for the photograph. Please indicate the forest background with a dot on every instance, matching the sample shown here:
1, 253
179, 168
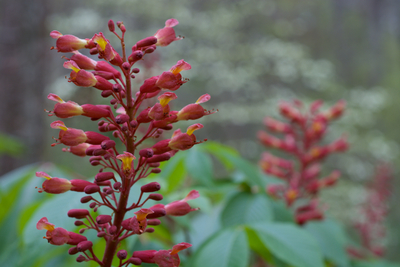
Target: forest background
249, 55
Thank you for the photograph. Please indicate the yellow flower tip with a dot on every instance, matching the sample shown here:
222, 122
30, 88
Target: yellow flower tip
101, 41
58, 125
166, 97
126, 159
193, 128
43, 175
142, 214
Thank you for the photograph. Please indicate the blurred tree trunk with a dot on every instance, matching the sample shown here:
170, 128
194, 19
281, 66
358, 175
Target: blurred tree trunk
24, 44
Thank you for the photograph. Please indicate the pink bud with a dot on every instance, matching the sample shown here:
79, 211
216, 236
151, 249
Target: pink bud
156, 197
94, 111
91, 189
104, 176
122, 118
122, 254
148, 41
135, 56
94, 138
149, 85
79, 150
146, 153
107, 144
102, 219
159, 158
79, 185
145, 255
151, 187
81, 258
144, 116
161, 147
84, 245
56, 185
78, 213
73, 251
111, 25
75, 238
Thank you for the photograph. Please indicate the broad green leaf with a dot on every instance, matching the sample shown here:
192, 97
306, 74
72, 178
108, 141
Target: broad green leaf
375, 263
245, 207
331, 238
228, 248
222, 152
289, 243
173, 171
281, 212
199, 166
10, 145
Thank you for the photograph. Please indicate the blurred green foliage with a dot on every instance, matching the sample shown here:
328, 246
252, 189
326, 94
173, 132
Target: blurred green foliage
238, 225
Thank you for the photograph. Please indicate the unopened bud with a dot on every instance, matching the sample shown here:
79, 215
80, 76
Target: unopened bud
72, 251
84, 245
126, 66
78, 213
156, 170
94, 51
101, 234
91, 189
151, 187
122, 254
79, 223
102, 219
107, 144
159, 158
148, 41
122, 118
135, 70
117, 185
86, 199
156, 197
146, 153
158, 212
113, 229
92, 205
135, 261
153, 222
149, 230
81, 258
111, 25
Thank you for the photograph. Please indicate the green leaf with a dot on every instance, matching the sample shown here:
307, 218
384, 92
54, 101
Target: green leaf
245, 207
10, 145
199, 166
331, 239
375, 263
289, 243
229, 248
281, 212
222, 152
173, 171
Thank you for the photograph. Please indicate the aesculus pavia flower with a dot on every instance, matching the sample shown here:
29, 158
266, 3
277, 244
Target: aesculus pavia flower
302, 135
370, 222
121, 170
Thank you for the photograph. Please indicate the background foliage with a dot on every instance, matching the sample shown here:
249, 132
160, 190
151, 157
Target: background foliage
248, 55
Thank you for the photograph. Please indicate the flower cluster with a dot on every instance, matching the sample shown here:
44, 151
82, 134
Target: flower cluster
302, 135
120, 171
371, 224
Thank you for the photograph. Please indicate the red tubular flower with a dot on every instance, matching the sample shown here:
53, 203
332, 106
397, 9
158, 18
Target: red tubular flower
79, 150
87, 63
68, 43
184, 141
64, 109
167, 35
181, 207
61, 185
302, 135
172, 79
106, 50
55, 236
69, 136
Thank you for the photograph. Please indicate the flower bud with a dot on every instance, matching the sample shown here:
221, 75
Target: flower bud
94, 138
113, 229
158, 212
117, 185
146, 153
151, 187
79, 185
148, 41
135, 261
149, 85
135, 56
79, 150
122, 118
153, 222
145, 255
73, 251
122, 254
86, 199
78, 213
101, 234
91, 189
81, 258
111, 25
107, 144
143, 116
159, 158
156, 170
149, 230
156, 197
84, 245
102, 219
79, 223
106, 93
154, 165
